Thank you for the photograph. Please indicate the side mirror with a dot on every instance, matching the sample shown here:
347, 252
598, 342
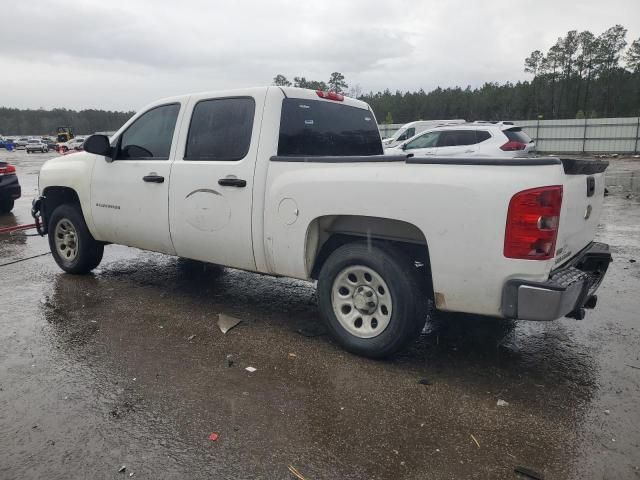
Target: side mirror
98, 145
403, 146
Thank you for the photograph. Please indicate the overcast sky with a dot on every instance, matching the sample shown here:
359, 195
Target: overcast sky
122, 54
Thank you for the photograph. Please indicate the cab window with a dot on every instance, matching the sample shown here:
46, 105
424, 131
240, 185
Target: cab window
150, 136
221, 129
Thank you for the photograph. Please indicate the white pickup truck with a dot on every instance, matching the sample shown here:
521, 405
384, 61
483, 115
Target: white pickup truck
293, 182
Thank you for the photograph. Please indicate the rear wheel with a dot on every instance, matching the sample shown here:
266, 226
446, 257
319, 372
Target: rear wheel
371, 298
6, 205
72, 245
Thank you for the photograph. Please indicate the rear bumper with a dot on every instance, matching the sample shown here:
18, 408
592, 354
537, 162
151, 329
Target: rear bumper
568, 291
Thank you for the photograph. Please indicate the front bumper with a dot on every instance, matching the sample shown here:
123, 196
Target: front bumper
568, 291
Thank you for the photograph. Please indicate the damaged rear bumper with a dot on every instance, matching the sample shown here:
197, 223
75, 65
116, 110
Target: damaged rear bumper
567, 292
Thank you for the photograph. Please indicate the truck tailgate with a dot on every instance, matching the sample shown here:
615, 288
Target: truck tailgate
582, 198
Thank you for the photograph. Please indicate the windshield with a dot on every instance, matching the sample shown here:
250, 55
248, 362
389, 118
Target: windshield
319, 128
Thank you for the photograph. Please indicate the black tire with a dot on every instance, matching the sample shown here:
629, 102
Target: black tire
6, 205
409, 297
89, 251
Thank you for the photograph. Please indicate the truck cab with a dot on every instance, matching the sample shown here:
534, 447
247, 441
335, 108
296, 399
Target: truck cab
294, 182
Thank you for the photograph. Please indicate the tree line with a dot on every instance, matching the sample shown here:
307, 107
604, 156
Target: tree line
581, 75
14, 121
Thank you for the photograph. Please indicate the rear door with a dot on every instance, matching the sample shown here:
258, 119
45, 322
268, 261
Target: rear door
457, 142
210, 198
129, 195
423, 145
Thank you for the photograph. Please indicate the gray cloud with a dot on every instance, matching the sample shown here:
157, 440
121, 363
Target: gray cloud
122, 54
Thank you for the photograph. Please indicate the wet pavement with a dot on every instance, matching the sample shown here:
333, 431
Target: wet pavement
127, 367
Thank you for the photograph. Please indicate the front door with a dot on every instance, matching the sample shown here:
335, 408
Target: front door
130, 195
423, 145
211, 192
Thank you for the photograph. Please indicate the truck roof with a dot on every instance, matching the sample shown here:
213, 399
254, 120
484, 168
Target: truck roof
293, 92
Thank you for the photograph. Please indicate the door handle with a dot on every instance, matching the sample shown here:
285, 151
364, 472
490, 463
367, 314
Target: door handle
232, 182
153, 178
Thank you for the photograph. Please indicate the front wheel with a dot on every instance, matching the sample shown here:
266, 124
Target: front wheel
371, 298
72, 245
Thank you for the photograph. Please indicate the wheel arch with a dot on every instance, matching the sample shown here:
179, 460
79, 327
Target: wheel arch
327, 233
55, 196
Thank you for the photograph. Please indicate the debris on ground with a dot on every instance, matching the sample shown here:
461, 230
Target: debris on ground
190, 337
424, 381
527, 472
131, 474
502, 403
295, 472
250, 369
632, 260
475, 440
122, 469
213, 437
229, 360
292, 355
607, 412
227, 322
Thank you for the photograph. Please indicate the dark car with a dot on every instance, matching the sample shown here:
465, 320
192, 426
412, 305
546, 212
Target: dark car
9, 187
51, 142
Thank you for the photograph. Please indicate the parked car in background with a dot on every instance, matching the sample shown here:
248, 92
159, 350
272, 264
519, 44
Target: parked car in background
36, 145
51, 142
9, 187
477, 139
20, 143
73, 144
411, 129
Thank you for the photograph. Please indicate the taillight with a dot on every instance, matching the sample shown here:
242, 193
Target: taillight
512, 146
532, 223
330, 95
7, 170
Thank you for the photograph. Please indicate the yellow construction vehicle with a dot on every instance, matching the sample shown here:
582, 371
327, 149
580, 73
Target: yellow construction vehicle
64, 134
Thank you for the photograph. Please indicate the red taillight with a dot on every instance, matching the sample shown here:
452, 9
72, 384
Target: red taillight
7, 170
330, 95
512, 146
532, 223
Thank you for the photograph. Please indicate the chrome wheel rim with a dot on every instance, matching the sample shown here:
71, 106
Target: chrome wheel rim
361, 301
66, 240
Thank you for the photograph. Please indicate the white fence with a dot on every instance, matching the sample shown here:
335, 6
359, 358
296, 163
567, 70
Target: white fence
593, 135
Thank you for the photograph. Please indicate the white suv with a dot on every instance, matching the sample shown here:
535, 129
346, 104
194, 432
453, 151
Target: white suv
477, 139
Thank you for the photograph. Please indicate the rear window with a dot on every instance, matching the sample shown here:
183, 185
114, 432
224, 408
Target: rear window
317, 128
516, 134
221, 129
